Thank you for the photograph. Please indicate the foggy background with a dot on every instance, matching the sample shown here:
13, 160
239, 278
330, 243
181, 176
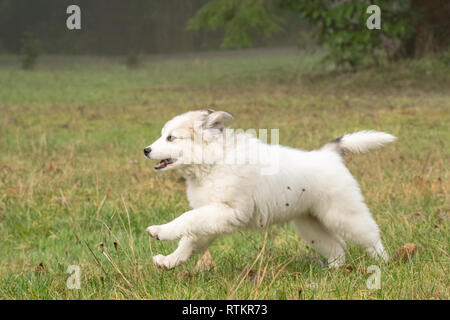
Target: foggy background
117, 27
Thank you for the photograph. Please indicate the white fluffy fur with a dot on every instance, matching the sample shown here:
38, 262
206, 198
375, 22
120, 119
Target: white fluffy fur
312, 189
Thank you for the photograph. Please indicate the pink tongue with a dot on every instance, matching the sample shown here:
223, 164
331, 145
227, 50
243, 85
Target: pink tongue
160, 165
163, 163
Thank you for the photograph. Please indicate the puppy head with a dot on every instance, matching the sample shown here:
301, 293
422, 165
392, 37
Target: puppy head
185, 138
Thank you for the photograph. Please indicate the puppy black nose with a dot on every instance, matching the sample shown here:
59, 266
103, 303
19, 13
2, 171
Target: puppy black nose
147, 151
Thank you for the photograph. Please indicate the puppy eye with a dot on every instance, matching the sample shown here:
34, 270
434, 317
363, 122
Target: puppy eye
170, 138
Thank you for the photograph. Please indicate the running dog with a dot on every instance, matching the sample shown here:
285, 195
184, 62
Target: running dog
230, 188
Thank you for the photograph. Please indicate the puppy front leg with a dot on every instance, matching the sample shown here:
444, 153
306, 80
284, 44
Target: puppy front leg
210, 220
179, 256
186, 247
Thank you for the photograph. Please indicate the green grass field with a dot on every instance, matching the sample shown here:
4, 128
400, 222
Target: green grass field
73, 177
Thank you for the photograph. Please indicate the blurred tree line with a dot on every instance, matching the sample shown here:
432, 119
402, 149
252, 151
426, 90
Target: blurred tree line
409, 28
111, 27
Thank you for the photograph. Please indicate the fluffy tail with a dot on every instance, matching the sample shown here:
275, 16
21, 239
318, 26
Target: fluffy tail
359, 142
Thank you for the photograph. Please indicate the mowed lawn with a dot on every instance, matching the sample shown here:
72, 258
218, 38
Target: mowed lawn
75, 188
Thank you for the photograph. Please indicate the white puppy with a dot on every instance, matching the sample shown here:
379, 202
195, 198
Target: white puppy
229, 190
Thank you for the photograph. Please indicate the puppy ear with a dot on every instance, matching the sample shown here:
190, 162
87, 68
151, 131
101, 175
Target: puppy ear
216, 119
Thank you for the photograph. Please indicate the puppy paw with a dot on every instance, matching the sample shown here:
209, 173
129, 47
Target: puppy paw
153, 231
163, 262
165, 232
336, 263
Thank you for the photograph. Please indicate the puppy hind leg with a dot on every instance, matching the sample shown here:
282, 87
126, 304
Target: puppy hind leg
356, 224
377, 251
330, 245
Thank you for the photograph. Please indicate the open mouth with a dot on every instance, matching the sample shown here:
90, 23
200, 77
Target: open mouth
164, 163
